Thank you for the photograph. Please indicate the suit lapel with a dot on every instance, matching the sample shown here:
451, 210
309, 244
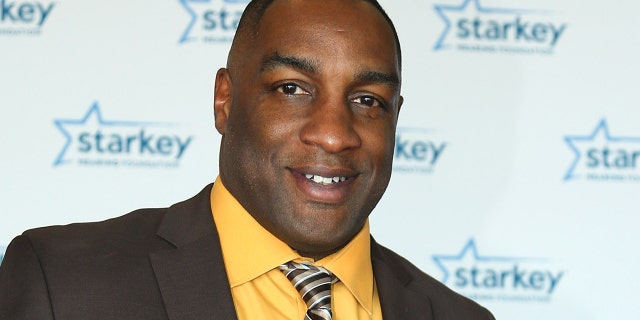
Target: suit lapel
397, 300
191, 276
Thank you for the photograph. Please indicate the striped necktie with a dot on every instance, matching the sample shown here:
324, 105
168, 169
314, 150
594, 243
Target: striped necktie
314, 285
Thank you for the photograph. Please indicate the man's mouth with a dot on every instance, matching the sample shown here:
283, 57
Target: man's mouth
324, 180
323, 184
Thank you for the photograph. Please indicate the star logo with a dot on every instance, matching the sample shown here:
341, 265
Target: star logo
211, 20
468, 256
470, 11
602, 153
92, 119
498, 277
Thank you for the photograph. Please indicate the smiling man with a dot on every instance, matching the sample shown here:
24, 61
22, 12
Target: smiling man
307, 109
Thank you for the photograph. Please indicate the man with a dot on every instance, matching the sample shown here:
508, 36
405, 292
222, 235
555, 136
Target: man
307, 109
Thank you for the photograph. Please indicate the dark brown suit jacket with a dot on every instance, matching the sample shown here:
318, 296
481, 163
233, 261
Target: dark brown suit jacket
167, 264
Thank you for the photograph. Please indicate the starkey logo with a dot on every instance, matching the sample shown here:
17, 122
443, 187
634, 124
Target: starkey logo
211, 21
417, 150
499, 278
601, 156
24, 17
91, 140
472, 27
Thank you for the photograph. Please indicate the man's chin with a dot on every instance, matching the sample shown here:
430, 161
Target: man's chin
318, 246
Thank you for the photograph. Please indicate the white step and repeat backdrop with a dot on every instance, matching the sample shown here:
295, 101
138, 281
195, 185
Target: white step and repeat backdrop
517, 150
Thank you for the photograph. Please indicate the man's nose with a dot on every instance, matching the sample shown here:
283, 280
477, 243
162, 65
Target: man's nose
331, 126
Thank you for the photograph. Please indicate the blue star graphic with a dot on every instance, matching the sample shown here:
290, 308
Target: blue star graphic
471, 249
194, 16
441, 8
185, 3
94, 111
601, 129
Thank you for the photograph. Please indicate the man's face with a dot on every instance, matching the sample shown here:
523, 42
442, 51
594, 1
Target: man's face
308, 115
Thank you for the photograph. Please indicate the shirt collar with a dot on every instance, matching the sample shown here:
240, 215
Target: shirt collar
249, 250
352, 265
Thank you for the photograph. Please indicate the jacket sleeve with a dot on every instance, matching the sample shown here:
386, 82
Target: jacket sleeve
23, 287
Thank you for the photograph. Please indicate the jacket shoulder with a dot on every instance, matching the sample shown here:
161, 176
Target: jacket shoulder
135, 234
106, 267
52, 270
136, 229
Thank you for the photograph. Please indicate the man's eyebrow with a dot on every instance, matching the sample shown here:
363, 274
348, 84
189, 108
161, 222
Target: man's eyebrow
368, 76
277, 60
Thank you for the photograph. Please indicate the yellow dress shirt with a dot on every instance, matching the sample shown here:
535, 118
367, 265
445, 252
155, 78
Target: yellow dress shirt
261, 291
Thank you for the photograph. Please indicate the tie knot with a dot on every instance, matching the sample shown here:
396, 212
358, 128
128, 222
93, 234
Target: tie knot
314, 285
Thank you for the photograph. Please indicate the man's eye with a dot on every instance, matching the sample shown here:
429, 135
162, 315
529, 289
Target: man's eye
368, 101
291, 89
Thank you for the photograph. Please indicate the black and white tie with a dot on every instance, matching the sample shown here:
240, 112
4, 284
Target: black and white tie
314, 285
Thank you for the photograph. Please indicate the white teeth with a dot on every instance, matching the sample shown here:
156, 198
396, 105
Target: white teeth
324, 180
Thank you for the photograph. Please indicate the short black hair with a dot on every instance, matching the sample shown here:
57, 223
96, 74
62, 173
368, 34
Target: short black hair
254, 11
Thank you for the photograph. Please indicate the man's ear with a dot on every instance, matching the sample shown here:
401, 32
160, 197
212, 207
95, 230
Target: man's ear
222, 99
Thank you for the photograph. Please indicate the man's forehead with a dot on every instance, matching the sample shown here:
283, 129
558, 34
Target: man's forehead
289, 19
268, 24
279, 7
